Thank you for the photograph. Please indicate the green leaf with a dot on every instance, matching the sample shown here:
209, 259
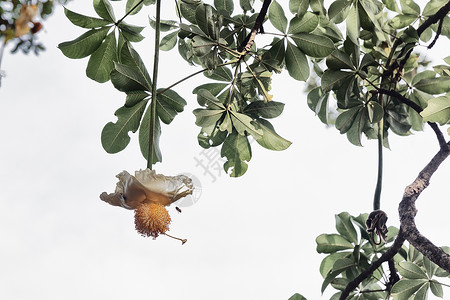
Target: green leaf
85, 44
263, 109
328, 262
296, 63
318, 103
411, 270
270, 139
204, 20
438, 110
101, 62
243, 124
423, 75
246, 5
357, 128
237, 150
84, 21
405, 288
353, 25
298, 7
339, 60
345, 227
297, 296
332, 79
133, 97
130, 57
144, 137
436, 289
224, 6
307, 23
338, 10
339, 266
131, 4
164, 25
131, 33
432, 7
430, 267
104, 10
401, 21
277, 16
391, 5
168, 105
375, 112
313, 45
169, 41
409, 7
422, 292
329, 243
115, 136
434, 86
205, 98
221, 74
213, 88
208, 119
126, 78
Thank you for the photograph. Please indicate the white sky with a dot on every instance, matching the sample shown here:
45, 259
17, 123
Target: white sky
248, 238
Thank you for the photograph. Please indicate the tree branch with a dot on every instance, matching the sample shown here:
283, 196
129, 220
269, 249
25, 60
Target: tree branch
418, 109
407, 211
257, 27
388, 255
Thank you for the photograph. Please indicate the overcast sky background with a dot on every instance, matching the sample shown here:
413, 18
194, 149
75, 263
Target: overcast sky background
248, 238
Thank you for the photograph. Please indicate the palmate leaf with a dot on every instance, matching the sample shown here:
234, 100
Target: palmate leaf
338, 10
85, 44
115, 136
85, 21
237, 150
244, 124
345, 227
102, 60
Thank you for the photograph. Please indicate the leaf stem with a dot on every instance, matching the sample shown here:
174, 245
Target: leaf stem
129, 12
151, 133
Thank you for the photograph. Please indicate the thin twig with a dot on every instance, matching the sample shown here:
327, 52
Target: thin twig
129, 12
257, 27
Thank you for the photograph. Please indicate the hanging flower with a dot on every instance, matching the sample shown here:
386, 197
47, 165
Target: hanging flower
148, 194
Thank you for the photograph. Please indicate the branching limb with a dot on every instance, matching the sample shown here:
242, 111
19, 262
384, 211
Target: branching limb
418, 109
388, 255
407, 211
250, 38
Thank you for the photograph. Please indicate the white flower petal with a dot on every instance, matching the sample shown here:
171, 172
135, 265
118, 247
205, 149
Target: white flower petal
147, 186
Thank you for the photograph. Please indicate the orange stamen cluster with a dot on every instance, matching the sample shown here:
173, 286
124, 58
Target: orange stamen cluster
151, 219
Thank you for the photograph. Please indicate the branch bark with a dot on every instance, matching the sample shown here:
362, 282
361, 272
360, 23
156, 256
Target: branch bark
407, 211
257, 27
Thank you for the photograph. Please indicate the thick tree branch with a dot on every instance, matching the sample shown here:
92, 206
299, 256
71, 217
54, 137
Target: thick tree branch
418, 109
250, 38
388, 255
407, 211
